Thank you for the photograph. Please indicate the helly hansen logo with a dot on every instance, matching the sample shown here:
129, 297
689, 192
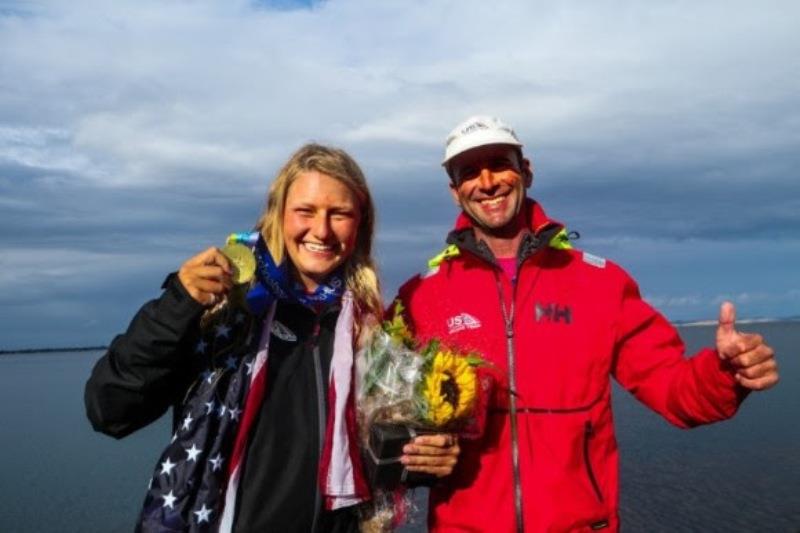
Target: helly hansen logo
553, 313
461, 322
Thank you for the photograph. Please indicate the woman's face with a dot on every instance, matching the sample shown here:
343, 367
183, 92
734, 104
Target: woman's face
320, 226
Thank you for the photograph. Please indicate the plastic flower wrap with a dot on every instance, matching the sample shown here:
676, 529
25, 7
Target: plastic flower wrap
406, 389
425, 386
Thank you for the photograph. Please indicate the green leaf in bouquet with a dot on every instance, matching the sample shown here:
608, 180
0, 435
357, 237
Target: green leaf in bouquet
431, 348
397, 327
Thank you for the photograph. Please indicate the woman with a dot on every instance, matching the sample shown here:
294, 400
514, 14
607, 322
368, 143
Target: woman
261, 383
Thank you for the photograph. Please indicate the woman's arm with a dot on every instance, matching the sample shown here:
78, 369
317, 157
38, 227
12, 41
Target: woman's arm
145, 369
149, 368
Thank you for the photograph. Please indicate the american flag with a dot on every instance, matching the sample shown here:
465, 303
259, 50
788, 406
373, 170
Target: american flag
195, 482
186, 492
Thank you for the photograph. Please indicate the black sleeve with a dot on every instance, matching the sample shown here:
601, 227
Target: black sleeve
147, 368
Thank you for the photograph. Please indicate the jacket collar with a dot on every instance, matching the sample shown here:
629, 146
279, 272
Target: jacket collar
540, 230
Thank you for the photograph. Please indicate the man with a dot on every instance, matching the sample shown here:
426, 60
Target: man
556, 323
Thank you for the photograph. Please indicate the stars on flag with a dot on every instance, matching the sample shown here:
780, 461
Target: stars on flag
201, 346
175, 487
192, 453
169, 499
203, 515
216, 462
167, 466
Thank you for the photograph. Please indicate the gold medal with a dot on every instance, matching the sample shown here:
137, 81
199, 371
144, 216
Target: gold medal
242, 260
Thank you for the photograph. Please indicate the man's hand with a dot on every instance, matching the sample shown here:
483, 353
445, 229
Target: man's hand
752, 359
434, 454
206, 276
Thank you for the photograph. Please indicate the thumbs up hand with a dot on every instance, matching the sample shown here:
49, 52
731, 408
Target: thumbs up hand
751, 358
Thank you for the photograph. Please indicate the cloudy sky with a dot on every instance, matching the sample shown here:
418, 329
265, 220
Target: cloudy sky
135, 133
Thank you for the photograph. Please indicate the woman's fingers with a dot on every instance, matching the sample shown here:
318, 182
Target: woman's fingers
209, 256
214, 273
211, 285
438, 471
439, 440
206, 276
434, 454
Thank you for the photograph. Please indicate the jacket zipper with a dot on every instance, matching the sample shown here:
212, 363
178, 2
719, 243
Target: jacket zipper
508, 319
587, 436
321, 414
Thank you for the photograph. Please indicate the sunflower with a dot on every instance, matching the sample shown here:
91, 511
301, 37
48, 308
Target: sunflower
448, 388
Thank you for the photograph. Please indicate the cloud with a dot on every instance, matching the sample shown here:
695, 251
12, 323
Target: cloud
148, 86
786, 296
156, 126
750, 305
48, 150
676, 301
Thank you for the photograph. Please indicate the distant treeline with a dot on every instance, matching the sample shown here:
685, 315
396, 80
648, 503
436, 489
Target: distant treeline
51, 350
678, 323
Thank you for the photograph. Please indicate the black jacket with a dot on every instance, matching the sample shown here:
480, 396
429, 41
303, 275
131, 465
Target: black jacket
153, 365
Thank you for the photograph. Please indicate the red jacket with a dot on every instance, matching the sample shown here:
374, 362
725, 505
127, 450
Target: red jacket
577, 320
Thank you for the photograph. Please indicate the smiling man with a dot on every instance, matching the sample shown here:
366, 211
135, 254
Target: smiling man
555, 323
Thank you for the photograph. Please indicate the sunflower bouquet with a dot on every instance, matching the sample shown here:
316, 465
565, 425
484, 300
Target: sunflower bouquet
407, 388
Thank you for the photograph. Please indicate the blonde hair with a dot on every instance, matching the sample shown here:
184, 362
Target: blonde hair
359, 269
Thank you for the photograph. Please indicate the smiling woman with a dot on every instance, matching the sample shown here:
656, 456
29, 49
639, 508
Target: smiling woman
320, 201
246, 456
320, 225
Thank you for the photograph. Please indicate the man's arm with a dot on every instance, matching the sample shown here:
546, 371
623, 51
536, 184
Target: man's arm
650, 362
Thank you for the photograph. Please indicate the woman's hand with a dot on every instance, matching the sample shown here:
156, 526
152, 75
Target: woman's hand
206, 276
434, 454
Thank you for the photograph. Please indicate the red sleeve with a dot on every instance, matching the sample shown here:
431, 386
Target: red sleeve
650, 362
405, 296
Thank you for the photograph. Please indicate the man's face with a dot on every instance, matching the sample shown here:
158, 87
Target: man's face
489, 184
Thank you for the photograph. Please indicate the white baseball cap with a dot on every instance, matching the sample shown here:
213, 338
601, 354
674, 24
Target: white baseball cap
478, 130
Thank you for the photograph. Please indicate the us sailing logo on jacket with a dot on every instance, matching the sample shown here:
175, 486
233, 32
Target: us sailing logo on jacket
551, 312
462, 321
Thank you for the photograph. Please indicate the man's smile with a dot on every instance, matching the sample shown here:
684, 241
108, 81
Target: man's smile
492, 202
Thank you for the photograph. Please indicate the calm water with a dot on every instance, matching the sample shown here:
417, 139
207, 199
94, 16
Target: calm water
740, 475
